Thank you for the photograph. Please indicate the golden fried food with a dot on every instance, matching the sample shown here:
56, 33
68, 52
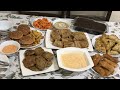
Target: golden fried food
110, 62
29, 61
66, 38
37, 36
96, 59
26, 40
15, 35
25, 29
110, 58
37, 59
104, 64
108, 44
103, 72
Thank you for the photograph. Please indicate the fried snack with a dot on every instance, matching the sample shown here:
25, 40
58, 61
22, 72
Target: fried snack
67, 39
79, 36
116, 48
29, 61
48, 56
110, 62
110, 58
15, 35
103, 72
68, 44
37, 36
58, 43
84, 43
34, 68
96, 59
39, 51
55, 35
113, 37
112, 52
78, 44
29, 52
38, 59
26, 40
107, 66
25, 29
65, 33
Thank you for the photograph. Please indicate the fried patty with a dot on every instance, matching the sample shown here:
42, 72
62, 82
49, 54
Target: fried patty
29, 61
26, 40
39, 51
29, 52
48, 56
16, 35
25, 29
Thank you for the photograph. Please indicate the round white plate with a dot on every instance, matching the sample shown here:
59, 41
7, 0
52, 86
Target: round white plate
32, 19
41, 40
97, 36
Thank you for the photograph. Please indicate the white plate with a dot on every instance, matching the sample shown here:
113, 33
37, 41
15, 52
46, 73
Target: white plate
32, 19
27, 72
4, 58
41, 40
97, 36
49, 43
73, 49
62, 20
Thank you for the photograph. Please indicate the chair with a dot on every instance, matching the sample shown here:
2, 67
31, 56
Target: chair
44, 13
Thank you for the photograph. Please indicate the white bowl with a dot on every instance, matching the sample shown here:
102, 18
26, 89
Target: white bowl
5, 25
33, 19
62, 20
10, 42
72, 49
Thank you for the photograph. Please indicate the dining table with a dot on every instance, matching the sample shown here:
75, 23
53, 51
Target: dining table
14, 69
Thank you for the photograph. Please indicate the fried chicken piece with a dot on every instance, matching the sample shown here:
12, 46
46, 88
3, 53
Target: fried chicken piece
96, 59
29, 61
84, 44
58, 43
39, 51
25, 29
67, 39
26, 40
118, 41
29, 52
15, 34
103, 72
48, 56
107, 66
110, 58
68, 44
110, 62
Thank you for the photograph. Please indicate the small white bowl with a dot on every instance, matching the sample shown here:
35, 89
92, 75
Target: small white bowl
5, 25
61, 20
73, 49
10, 42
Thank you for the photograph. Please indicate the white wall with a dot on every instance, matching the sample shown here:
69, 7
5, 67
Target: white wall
9, 12
115, 16
95, 13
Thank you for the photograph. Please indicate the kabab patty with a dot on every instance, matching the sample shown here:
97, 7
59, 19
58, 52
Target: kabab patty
26, 40
25, 29
16, 35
